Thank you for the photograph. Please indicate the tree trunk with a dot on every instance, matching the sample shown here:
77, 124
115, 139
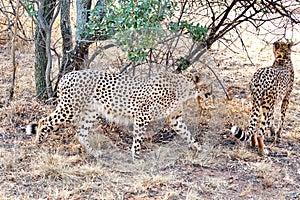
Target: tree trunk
66, 33
65, 27
40, 64
40, 50
81, 50
77, 58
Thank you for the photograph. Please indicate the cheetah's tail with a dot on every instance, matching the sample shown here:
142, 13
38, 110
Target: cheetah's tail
240, 134
31, 129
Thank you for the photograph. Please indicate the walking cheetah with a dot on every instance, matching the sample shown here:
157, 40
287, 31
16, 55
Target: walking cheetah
269, 86
87, 94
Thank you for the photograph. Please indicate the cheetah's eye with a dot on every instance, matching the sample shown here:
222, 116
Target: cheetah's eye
193, 71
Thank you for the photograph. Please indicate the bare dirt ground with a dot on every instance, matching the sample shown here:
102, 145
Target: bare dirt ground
225, 169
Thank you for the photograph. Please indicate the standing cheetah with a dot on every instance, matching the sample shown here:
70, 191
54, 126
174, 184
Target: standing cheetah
87, 94
269, 85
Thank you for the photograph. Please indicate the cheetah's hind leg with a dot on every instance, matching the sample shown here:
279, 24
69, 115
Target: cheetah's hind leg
139, 128
271, 126
87, 119
284, 106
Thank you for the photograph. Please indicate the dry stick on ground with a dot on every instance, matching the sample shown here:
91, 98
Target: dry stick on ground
13, 54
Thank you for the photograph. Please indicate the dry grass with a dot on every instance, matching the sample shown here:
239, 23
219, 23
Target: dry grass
225, 169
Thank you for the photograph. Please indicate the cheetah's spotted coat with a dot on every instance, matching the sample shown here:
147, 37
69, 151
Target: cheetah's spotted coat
85, 95
269, 86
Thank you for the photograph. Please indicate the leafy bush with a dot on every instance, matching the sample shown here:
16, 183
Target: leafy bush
136, 26
29, 6
197, 32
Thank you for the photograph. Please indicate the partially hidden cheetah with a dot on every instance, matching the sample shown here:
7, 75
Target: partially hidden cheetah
85, 95
270, 85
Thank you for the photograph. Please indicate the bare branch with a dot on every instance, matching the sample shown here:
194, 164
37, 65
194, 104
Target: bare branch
13, 55
244, 46
96, 53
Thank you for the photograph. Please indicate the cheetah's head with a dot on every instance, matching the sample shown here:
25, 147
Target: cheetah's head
282, 50
202, 80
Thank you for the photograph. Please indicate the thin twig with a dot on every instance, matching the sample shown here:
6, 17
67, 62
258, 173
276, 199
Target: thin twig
244, 46
220, 82
97, 52
13, 55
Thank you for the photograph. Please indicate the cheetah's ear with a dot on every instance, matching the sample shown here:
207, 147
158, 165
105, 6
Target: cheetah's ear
276, 45
290, 44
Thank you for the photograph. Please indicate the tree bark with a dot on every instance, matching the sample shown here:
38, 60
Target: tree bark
65, 27
66, 33
81, 51
41, 59
78, 57
40, 64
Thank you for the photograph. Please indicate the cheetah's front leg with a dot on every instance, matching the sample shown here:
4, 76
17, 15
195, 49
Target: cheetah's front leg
176, 123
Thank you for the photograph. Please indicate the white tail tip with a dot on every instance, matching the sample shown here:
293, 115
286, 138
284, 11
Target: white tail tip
234, 129
31, 129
